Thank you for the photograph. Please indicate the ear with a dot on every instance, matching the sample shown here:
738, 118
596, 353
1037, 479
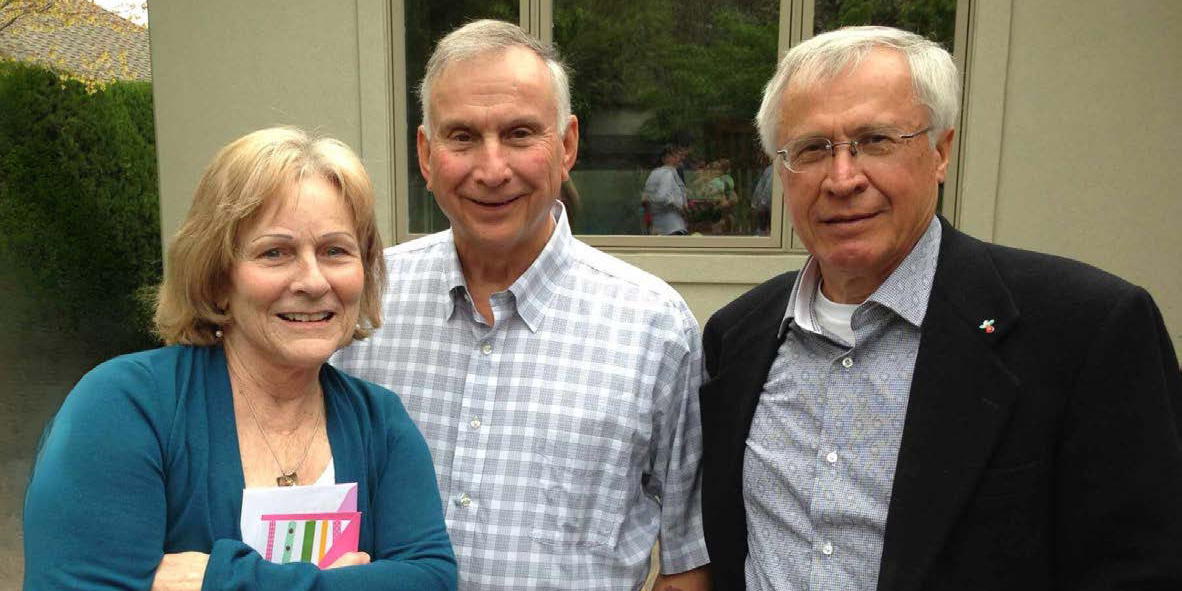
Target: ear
570, 146
423, 147
943, 150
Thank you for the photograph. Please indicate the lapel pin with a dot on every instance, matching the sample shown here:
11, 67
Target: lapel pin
987, 326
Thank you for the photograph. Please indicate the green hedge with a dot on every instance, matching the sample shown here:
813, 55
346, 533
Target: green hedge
79, 203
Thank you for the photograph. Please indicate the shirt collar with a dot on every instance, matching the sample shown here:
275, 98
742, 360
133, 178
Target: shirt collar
539, 283
534, 289
905, 292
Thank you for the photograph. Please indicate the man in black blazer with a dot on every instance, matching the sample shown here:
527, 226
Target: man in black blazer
917, 409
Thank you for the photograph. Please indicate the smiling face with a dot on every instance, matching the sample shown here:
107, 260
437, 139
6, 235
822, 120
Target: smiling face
297, 283
860, 217
495, 159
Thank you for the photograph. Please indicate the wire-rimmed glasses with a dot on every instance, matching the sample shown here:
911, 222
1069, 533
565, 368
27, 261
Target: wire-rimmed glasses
813, 153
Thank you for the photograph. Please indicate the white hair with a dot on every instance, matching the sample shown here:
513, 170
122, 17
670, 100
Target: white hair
486, 36
933, 73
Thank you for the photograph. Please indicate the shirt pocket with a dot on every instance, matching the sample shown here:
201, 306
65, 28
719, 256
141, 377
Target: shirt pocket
585, 475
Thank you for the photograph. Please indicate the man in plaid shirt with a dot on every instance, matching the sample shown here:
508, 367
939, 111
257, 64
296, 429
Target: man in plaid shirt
556, 385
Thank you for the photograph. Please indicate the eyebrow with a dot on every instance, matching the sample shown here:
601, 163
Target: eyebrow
449, 125
271, 237
329, 235
859, 130
341, 233
525, 122
874, 127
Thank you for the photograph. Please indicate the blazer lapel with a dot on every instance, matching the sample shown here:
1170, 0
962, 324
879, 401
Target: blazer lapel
749, 349
961, 394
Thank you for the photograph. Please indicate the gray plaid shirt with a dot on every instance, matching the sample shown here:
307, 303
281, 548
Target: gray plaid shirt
821, 453
566, 437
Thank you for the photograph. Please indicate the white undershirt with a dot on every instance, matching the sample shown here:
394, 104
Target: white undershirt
834, 317
329, 475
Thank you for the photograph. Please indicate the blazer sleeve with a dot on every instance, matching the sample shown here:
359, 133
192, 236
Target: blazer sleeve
1119, 483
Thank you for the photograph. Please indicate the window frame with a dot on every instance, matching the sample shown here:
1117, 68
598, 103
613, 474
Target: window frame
981, 46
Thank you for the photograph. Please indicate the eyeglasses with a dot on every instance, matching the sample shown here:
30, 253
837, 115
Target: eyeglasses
814, 153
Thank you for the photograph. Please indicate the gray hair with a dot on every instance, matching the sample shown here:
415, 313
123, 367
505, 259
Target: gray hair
933, 73
488, 36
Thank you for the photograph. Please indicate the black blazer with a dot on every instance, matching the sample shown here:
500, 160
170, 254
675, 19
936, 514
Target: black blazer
1043, 455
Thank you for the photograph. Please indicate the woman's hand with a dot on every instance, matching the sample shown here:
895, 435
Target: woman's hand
183, 571
350, 559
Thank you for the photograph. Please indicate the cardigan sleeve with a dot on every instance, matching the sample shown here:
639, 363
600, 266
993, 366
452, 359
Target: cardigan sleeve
97, 514
412, 550
94, 514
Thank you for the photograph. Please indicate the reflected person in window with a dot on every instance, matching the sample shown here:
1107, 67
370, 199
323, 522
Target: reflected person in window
139, 479
717, 194
917, 409
761, 198
556, 386
664, 197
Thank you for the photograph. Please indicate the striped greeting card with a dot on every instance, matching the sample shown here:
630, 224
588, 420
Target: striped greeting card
319, 538
316, 523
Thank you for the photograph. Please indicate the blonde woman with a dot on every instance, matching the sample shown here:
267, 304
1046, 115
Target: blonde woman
139, 481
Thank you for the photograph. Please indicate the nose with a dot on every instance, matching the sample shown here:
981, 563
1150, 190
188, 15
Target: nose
492, 164
845, 176
309, 279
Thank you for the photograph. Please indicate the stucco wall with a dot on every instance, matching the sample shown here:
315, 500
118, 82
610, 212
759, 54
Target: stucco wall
223, 68
1088, 147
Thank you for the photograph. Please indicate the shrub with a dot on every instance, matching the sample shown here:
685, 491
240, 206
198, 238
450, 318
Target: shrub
79, 202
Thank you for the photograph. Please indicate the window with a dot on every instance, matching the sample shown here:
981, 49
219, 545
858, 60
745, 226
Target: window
670, 84
427, 21
680, 77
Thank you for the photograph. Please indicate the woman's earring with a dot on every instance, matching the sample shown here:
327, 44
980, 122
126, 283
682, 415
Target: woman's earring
217, 333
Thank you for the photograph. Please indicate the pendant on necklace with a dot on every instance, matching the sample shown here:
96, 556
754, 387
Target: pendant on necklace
286, 479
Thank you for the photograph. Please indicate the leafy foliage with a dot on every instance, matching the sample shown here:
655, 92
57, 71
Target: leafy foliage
934, 19
79, 202
692, 66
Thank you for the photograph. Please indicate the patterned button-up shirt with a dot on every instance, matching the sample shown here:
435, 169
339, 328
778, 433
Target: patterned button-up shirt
821, 453
566, 436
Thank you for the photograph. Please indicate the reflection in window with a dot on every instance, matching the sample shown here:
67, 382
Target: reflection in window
934, 19
426, 22
665, 92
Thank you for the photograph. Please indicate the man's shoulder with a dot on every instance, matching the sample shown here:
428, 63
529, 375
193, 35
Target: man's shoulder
419, 258
423, 246
1031, 274
1052, 294
758, 297
607, 270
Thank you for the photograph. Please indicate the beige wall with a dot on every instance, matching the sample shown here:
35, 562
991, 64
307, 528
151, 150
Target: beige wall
222, 68
1070, 113
1088, 156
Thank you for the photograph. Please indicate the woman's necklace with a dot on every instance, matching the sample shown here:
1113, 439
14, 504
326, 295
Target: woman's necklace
285, 478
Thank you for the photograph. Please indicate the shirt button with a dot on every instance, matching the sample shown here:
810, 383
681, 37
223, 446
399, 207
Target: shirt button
486, 348
848, 362
464, 500
827, 549
831, 457
474, 423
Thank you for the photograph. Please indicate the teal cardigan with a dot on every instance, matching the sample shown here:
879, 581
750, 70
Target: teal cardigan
142, 460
